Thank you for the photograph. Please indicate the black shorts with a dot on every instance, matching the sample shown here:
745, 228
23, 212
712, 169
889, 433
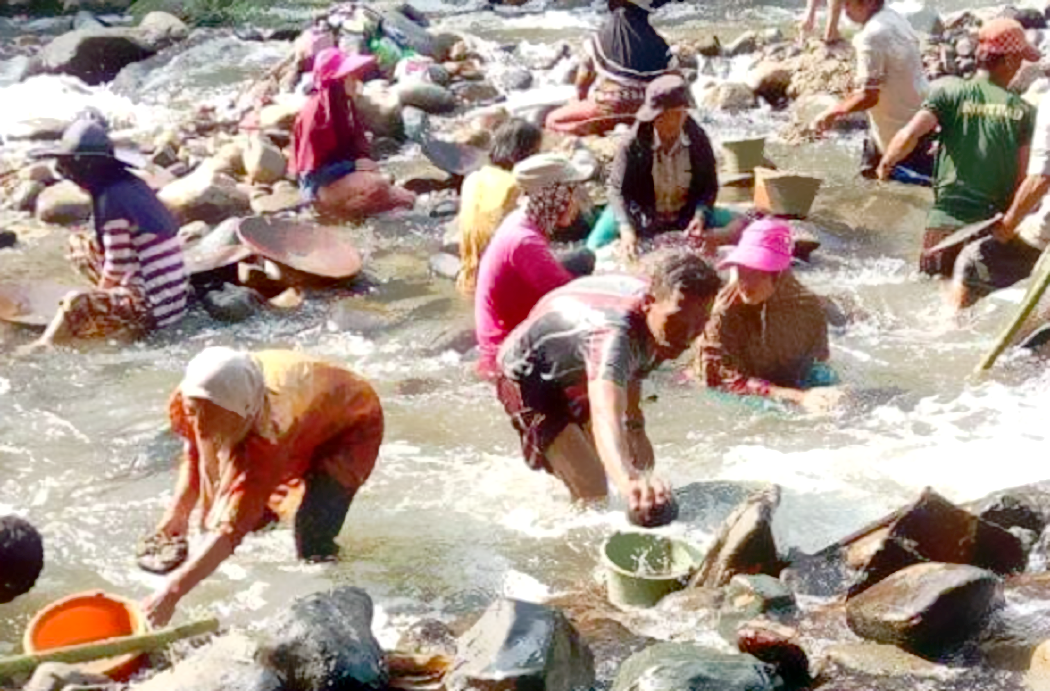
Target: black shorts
990, 265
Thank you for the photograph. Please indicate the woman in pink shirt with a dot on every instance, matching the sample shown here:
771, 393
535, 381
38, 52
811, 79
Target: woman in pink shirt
518, 267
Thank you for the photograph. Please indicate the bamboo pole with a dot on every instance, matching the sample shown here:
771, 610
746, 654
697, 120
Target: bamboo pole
111, 647
1031, 299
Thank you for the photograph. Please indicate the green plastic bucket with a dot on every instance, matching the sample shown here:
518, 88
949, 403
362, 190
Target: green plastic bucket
640, 568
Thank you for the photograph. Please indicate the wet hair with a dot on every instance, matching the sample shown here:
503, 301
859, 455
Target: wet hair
514, 141
22, 554
685, 272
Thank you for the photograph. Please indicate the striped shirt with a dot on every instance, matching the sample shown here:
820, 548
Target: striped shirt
142, 249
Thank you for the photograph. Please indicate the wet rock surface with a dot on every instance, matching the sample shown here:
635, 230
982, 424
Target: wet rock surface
745, 544
520, 645
228, 664
927, 609
682, 666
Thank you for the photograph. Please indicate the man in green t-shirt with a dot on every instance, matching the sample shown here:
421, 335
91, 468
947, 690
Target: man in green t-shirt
984, 134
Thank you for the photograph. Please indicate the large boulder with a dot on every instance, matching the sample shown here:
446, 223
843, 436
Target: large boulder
278, 116
777, 646
521, 646
160, 30
205, 195
228, 664
21, 557
409, 34
429, 98
682, 666
927, 609
324, 642
380, 110
729, 96
263, 162
94, 56
63, 204
745, 544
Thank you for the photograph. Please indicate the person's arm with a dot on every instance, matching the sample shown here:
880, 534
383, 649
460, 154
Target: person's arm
923, 123
1029, 195
614, 190
641, 448
119, 255
857, 102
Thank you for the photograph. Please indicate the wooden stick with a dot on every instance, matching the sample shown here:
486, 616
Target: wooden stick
1031, 299
111, 647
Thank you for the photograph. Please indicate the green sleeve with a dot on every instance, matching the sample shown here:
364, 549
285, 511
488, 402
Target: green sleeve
942, 102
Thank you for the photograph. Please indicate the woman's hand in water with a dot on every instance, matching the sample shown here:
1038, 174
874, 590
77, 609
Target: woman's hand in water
647, 495
823, 399
160, 606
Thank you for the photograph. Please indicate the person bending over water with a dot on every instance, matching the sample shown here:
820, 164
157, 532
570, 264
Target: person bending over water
331, 152
490, 194
519, 268
984, 132
257, 427
766, 330
619, 61
571, 376
133, 258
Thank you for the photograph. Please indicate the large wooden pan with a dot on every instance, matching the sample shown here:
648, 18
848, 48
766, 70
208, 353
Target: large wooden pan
301, 245
32, 303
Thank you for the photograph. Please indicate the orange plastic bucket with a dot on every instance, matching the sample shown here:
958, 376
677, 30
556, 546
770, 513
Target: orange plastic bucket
87, 618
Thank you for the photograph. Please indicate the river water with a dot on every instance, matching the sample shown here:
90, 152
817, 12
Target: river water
451, 516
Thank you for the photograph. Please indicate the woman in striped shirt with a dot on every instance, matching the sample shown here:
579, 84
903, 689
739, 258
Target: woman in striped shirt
134, 257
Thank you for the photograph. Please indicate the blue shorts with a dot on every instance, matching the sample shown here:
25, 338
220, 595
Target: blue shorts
311, 183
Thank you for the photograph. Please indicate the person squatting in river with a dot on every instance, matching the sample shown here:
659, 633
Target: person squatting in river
571, 376
260, 430
134, 256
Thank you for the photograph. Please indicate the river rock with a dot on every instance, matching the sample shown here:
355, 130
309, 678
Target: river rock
8, 239
25, 196
161, 30
778, 647
284, 197
428, 637
278, 116
228, 664
57, 676
416, 123
94, 56
521, 645
430, 98
263, 162
1025, 507
324, 642
877, 660
770, 81
41, 171
1028, 17
408, 33
768, 594
1039, 668
205, 195
683, 666
22, 554
63, 204
927, 608
232, 304
516, 79
729, 96
745, 43
228, 160
475, 92
744, 544
445, 265
380, 110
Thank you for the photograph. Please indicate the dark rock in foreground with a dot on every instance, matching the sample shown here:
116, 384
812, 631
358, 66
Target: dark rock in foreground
928, 609
521, 646
21, 557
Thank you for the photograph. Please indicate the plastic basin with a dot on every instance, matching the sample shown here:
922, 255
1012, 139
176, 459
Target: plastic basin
785, 194
641, 568
87, 618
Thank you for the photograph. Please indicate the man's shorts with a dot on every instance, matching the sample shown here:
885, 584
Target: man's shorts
989, 265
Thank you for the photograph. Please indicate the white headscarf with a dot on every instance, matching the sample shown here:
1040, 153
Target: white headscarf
231, 379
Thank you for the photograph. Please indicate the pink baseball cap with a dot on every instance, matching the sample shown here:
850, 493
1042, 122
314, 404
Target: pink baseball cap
766, 245
332, 65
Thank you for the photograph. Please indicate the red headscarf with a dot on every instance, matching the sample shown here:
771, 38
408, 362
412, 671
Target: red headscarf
326, 130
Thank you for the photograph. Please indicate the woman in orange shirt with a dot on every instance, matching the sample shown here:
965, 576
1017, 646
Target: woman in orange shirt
256, 425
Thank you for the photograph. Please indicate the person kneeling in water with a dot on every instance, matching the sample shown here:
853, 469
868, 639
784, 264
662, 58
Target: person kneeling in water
571, 376
767, 330
255, 425
331, 152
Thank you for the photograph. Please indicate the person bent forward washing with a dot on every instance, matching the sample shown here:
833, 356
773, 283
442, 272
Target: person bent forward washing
571, 376
256, 425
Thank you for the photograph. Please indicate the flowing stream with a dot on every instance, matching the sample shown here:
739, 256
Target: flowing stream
451, 517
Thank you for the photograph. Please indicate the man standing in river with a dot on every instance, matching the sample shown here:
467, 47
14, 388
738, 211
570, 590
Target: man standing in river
984, 138
571, 376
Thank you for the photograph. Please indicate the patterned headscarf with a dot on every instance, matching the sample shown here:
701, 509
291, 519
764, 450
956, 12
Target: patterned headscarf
545, 206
